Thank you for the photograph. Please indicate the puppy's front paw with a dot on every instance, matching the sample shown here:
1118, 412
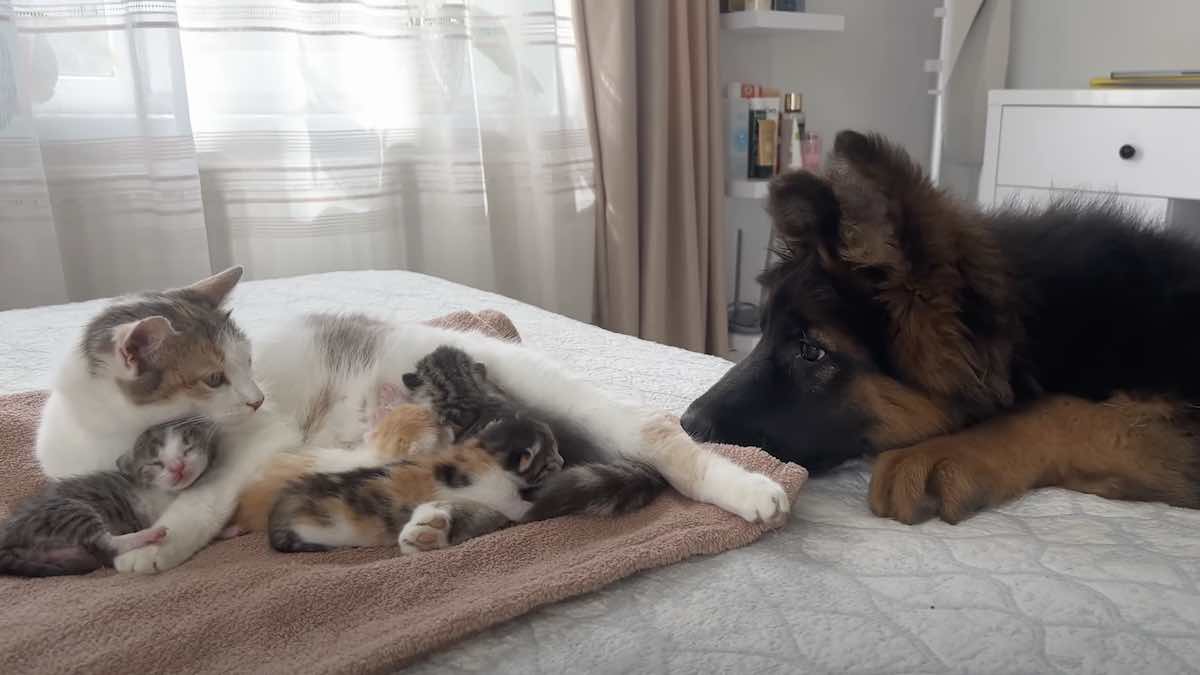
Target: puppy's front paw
427, 530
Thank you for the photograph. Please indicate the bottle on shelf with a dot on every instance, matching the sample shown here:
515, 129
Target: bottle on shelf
791, 133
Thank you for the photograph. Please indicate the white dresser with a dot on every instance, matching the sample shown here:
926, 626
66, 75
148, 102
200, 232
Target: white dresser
1143, 145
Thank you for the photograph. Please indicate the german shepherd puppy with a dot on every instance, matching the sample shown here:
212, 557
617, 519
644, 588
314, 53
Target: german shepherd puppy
975, 355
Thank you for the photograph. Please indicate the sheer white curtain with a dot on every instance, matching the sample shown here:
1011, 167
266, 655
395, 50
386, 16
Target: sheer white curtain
145, 143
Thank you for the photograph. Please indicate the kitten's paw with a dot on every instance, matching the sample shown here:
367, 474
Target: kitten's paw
232, 531
752, 496
427, 530
132, 541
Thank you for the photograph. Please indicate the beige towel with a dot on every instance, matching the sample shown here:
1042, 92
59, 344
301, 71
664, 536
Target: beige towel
239, 606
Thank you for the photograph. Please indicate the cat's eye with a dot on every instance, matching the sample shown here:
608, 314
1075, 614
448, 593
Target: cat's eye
811, 352
215, 380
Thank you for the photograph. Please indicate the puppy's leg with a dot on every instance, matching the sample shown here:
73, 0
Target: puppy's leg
1121, 449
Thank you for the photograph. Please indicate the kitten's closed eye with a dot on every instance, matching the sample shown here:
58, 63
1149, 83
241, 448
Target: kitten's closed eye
216, 380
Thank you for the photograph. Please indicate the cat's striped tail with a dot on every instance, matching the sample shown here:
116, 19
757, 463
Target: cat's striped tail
23, 561
596, 489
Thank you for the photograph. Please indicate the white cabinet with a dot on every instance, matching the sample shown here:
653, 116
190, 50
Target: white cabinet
1141, 145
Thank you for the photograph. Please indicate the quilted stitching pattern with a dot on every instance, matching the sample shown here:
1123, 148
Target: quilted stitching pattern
1056, 582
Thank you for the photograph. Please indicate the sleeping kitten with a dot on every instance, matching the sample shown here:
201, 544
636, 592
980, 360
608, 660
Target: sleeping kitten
375, 506
79, 524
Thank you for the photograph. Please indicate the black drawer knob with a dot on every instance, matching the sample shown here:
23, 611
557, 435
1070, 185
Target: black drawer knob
1127, 151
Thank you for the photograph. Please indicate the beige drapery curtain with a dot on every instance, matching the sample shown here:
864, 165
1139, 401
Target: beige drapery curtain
649, 73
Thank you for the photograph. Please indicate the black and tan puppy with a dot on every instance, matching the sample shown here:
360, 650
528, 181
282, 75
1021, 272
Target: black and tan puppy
979, 355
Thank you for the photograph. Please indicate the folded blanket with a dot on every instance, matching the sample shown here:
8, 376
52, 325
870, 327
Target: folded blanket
239, 606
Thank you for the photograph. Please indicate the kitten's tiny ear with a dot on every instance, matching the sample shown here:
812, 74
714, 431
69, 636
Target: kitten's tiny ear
137, 341
217, 287
480, 370
390, 396
125, 464
526, 459
412, 380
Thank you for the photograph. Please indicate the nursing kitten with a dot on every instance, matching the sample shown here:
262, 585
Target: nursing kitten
479, 481
79, 524
465, 400
459, 391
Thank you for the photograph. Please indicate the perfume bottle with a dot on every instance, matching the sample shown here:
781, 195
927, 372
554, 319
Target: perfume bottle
791, 132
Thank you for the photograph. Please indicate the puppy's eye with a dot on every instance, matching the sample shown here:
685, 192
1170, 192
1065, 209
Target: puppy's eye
811, 352
216, 380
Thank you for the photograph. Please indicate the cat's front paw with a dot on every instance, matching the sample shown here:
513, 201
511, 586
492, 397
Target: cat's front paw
142, 560
753, 496
150, 559
427, 530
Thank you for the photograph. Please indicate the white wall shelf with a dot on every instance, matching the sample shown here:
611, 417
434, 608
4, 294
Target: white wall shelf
758, 21
747, 189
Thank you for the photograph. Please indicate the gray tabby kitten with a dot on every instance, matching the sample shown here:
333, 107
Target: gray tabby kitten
466, 401
459, 391
79, 524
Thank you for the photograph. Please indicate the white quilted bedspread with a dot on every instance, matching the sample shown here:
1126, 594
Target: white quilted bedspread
1054, 582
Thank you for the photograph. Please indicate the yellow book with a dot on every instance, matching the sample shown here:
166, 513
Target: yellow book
1173, 81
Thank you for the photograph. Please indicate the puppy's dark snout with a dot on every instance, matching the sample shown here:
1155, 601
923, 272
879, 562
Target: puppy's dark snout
697, 425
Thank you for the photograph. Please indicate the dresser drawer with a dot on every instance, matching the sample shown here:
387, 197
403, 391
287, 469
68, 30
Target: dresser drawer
1081, 148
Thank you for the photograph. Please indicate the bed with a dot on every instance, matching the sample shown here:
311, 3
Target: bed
1056, 581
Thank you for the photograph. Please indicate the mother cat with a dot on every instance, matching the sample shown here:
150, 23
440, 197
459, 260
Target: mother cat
160, 356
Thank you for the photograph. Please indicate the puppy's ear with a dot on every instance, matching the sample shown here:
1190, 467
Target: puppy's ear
880, 190
805, 214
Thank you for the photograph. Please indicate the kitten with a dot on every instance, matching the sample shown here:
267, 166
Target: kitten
459, 391
466, 400
374, 506
79, 524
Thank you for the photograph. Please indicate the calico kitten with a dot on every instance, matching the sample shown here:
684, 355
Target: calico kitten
79, 524
376, 506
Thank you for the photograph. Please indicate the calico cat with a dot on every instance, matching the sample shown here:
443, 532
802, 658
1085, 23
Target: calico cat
374, 506
147, 359
164, 355
79, 524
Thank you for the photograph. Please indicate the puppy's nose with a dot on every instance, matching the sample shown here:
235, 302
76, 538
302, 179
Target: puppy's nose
697, 425
256, 404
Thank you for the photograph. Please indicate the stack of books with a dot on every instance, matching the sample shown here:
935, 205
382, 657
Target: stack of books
1154, 79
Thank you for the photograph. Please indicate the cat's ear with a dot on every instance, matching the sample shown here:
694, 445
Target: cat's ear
217, 287
137, 342
412, 381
